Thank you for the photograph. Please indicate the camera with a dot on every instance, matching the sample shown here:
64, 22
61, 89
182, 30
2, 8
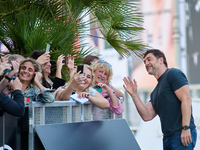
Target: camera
98, 88
8, 70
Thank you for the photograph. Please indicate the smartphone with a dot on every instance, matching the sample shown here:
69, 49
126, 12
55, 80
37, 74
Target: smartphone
80, 68
65, 61
8, 70
98, 88
47, 48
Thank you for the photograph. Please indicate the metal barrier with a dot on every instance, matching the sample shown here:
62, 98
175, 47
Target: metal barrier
64, 112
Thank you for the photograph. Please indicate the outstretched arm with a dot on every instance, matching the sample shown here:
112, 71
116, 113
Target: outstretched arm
99, 100
147, 112
66, 93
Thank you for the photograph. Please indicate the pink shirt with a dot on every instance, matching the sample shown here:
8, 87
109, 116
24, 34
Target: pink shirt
116, 110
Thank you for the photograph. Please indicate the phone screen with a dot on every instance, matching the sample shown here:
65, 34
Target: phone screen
47, 48
8, 70
80, 68
65, 61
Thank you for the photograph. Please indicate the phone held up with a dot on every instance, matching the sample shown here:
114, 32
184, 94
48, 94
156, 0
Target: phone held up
80, 68
47, 48
65, 61
8, 70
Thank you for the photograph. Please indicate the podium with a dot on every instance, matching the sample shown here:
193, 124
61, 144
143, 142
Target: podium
94, 135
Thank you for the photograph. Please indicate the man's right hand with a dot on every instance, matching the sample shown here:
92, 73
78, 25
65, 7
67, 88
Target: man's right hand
130, 86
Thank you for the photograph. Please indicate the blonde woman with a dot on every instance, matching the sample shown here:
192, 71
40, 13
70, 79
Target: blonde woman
103, 75
82, 86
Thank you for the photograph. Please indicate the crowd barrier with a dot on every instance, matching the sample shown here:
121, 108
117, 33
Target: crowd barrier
63, 112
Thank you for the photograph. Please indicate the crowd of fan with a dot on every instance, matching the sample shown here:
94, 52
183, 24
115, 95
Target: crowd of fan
28, 79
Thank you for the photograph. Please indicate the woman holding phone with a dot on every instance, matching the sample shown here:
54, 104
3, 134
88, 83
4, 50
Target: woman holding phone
44, 59
82, 86
103, 74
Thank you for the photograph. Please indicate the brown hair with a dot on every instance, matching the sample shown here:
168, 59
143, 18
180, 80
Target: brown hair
89, 59
92, 79
157, 53
36, 65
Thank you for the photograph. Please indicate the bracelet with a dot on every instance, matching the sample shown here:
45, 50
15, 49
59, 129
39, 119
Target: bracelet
8, 78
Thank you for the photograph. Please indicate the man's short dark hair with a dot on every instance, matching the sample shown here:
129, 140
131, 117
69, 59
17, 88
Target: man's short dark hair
157, 53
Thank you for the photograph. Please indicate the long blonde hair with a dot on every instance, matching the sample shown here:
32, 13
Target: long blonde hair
92, 77
103, 64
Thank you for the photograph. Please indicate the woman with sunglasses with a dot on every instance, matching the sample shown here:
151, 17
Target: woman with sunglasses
103, 74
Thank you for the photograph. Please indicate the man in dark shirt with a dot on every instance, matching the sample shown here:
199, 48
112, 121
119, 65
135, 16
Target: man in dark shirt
170, 100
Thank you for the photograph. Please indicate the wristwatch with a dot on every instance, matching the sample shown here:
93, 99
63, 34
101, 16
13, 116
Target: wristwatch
185, 127
8, 78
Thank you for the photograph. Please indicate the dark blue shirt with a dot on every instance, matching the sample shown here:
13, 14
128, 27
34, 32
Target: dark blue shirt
165, 102
13, 106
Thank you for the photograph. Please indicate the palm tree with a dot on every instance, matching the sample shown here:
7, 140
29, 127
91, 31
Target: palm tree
31, 24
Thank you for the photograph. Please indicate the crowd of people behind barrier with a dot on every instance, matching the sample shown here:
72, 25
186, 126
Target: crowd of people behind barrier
28, 79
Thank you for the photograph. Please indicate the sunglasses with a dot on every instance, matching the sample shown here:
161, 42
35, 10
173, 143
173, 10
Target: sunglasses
105, 62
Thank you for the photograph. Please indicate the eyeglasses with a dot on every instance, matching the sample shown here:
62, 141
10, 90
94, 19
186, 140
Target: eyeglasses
105, 62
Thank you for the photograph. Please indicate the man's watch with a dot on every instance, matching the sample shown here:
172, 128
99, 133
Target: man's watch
185, 127
8, 78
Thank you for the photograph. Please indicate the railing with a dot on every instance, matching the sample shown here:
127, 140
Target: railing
64, 112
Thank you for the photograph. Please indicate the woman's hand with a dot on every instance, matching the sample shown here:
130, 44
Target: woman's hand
45, 58
104, 87
83, 95
38, 76
59, 65
59, 62
70, 63
77, 80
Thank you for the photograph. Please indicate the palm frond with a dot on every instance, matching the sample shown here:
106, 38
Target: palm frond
31, 24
